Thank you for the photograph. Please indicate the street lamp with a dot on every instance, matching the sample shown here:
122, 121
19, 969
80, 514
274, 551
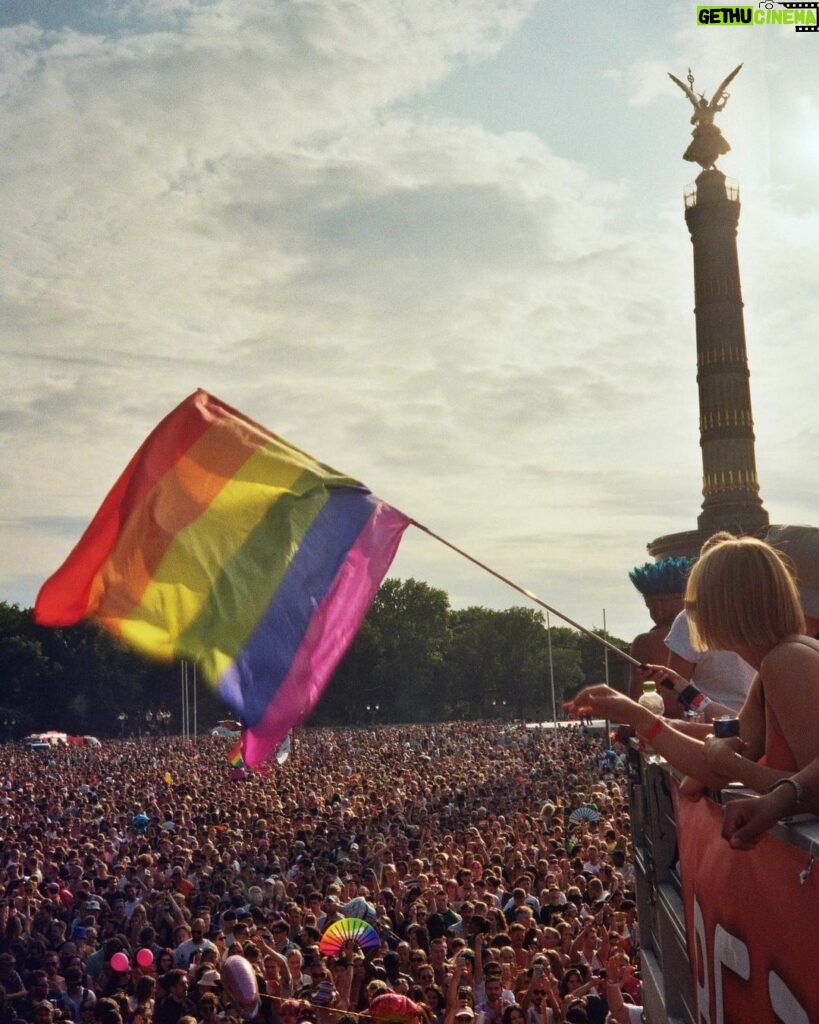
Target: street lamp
122, 718
149, 720
163, 717
372, 711
9, 722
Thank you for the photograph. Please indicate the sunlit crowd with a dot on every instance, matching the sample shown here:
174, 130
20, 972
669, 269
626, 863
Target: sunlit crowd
477, 873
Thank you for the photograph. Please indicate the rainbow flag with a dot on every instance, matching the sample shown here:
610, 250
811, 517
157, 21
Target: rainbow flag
224, 544
235, 756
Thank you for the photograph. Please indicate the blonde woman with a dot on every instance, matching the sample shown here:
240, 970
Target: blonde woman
740, 597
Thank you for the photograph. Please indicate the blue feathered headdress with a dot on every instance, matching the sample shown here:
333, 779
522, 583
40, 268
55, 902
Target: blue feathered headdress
666, 577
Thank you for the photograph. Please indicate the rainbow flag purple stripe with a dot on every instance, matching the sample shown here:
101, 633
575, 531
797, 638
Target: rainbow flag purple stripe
222, 543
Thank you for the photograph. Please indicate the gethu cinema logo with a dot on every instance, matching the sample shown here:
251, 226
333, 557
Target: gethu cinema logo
801, 15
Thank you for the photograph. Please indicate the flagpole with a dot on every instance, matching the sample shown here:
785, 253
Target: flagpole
606, 667
527, 593
552, 675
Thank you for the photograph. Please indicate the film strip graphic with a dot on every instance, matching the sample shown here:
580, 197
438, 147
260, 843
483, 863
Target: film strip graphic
802, 7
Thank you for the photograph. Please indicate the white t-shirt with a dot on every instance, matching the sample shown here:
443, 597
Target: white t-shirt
721, 675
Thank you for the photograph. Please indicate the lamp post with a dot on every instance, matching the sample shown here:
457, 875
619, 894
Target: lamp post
149, 720
122, 718
372, 712
9, 722
163, 717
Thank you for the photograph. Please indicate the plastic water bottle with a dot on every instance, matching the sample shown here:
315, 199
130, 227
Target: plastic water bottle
651, 700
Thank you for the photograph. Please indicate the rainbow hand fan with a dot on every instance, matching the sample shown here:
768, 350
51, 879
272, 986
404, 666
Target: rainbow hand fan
339, 932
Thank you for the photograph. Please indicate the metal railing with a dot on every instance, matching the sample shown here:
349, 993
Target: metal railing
668, 987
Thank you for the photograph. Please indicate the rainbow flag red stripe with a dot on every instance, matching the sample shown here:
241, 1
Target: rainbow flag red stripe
224, 544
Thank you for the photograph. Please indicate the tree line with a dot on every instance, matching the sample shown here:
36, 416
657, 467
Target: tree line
414, 659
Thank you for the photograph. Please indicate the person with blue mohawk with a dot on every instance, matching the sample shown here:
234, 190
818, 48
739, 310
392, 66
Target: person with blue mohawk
662, 585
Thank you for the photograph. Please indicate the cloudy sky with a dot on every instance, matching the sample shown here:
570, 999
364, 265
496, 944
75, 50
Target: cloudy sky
438, 244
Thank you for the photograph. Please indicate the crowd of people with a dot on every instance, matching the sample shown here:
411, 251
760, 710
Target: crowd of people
492, 863
486, 868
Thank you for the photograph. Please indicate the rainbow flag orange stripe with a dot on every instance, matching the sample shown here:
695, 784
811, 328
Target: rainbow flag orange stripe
224, 544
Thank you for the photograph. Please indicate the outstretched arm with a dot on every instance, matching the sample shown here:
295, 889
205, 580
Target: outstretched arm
684, 752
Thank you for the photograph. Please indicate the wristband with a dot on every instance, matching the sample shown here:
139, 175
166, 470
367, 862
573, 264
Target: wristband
687, 696
653, 730
693, 698
789, 781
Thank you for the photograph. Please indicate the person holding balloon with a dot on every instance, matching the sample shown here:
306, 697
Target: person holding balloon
119, 975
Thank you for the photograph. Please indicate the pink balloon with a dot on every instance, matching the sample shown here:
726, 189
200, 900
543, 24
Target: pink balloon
119, 962
239, 982
144, 957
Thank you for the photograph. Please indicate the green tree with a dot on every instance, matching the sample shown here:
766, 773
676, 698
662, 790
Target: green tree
395, 662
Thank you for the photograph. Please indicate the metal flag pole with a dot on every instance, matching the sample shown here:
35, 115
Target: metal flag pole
529, 594
555, 741
194, 702
551, 672
606, 669
184, 700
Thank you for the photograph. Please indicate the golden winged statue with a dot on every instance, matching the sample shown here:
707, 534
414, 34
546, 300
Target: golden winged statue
708, 142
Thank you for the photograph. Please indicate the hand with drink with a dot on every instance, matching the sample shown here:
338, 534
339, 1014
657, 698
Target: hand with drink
602, 701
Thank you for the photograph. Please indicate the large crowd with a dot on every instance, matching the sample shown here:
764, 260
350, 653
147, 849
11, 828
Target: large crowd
489, 863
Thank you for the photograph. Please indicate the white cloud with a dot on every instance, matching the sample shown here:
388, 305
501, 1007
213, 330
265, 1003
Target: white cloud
221, 194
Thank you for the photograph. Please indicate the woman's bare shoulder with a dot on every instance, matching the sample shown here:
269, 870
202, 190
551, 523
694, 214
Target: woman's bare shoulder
794, 653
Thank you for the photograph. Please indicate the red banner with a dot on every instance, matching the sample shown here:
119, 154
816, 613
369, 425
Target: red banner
752, 920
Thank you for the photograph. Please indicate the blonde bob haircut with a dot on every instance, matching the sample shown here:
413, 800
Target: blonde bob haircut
741, 593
